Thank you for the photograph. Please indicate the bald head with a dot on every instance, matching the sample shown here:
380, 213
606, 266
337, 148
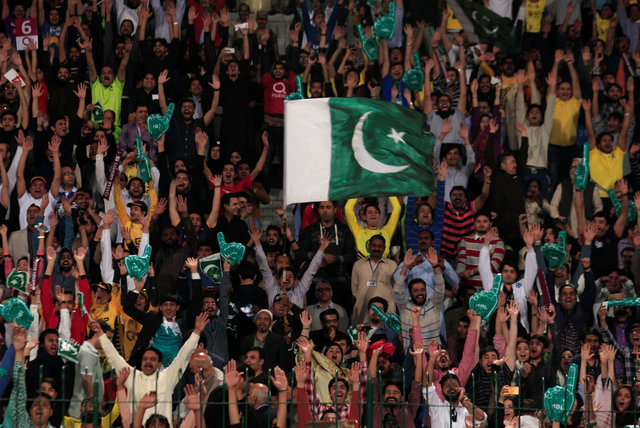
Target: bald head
258, 394
201, 360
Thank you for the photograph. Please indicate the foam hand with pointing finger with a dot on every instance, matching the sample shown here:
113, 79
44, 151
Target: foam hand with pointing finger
556, 254
618, 207
559, 400
138, 266
385, 26
144, 163
297, 94
582, 170
233, 251
158, 124
414, 77
485, 302
370, 45
16, 309
391, 320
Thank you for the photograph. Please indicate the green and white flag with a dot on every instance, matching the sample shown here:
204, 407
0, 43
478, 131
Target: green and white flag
339, 148
212, 267
17, 280
68, 350
482, 25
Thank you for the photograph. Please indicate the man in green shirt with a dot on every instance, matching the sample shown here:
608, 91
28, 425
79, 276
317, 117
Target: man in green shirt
107, 88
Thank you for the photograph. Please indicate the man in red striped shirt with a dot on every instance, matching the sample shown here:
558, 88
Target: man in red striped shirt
469, 252
459, 215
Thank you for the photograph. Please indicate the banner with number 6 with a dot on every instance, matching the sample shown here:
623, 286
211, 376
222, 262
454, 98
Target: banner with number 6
26, 29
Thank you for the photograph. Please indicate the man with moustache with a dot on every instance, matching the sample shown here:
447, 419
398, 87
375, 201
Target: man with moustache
416, 289
452, 406
273, 345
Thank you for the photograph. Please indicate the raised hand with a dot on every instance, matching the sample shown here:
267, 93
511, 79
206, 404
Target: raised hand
305, 319
147, 401
122, 377
302, 372
279, 379
201, 321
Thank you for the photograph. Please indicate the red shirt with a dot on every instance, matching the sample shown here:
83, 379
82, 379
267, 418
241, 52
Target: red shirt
275, 92
78, 320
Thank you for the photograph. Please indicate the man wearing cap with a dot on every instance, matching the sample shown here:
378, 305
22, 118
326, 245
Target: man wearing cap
129, 328
131, 219
106, 305
160, 328
37, 185
273, 345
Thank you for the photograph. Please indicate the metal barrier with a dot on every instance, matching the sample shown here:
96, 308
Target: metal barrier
368, 404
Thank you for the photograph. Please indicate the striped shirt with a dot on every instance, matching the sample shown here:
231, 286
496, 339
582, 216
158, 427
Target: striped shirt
469, 256
457, 225
429, 313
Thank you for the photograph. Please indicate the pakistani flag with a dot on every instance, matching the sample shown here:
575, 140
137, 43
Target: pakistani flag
17, 280
340, 148
212, 267
482, 25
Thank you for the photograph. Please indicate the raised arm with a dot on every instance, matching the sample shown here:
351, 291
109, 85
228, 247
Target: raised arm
209, 115
263, 156
27, 146
162, 99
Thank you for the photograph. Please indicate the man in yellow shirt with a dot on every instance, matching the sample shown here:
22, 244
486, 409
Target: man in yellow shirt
605, 159
564, 133
372, 219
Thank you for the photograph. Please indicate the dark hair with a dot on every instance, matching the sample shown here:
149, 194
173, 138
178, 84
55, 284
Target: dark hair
276, 228
591, 332
415, 281
488, 349
465, 319
51, 381
337, 379
380, 237
378, 299
447, 377
397, 384
247, 270
45, 333
259, 350
103, 325
226, 198
602, 135
367, 206
460, 188
540, 338
156, 419
330, 311
431, 235
154, 350
504, 156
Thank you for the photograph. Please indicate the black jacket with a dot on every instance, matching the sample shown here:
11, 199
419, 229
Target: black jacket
275, 351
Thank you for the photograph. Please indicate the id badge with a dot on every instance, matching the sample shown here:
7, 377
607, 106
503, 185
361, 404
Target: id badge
371, 283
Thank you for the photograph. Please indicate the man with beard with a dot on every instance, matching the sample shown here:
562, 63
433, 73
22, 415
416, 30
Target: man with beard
160, 328
329, 333
65, 299
605, 157
452, 406
21, 241
183, 128
372, 277
537, 368
107, 88
443, 109
150, 377
431, 307
215, 333
539, 127
284, 279
65, 277
38, 186
624, 334
138, 128
573, 317
277, 84
339, 255
469, 251
201, 365
272, 344
169, 256
505, 196
512, 287
482, 379
392, 411
459, 215
230, 182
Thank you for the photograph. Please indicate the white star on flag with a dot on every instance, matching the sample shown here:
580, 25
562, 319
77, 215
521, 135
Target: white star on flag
397, 136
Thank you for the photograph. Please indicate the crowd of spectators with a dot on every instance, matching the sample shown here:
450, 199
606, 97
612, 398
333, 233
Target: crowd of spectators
305, 317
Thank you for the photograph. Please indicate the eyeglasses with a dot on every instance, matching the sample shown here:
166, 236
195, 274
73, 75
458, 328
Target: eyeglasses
208, 303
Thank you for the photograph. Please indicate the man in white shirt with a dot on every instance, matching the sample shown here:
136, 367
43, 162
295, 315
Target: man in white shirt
150, 378
453, 410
